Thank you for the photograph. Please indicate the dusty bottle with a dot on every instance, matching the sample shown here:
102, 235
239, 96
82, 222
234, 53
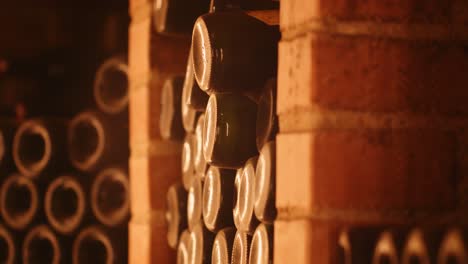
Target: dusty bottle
65, 204
9, 246
201, 243
222, 246
41, 245
188, 170
19, 201
240, 248
110, 200
265, 184
192, 95
189, 117
218, 195
229, 130
184, 254
261, 249
96, 244
453, 248
176, 16
7, 133
96, 140
194, 204
233, 52
267, 121
243, 212
199, 158
39, 146
389, 247
176, 214
111, 85
170, 123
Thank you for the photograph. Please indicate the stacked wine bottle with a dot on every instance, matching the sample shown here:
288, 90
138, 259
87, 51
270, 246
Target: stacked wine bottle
429, 244
223, 109
64, 185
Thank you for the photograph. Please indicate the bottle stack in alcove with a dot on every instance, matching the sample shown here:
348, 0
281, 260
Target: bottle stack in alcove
223, 208
64, 178
223, 109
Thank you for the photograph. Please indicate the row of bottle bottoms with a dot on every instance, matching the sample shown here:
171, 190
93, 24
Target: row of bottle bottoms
41, 245
354, 245
67, 201
72, 174
225, 114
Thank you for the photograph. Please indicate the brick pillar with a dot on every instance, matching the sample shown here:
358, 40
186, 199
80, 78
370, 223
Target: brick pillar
154, 163
373, 104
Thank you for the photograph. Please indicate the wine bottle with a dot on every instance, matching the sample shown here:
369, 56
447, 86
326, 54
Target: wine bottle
267, 121
170, 122
176, 214
184, 254
110, 199
229, 130
96, 140
240, 248
192, 95
7, 133
261, 249
189, 116
39, 146
265, 184
243, 211
199, 158
389, 247
111, 85
218, 194
9, 246
65, 204
421, 246
222, 246
194, 204
19, 202
201, 243
453, 248
41, 245
233, 52
188, 170
96, 244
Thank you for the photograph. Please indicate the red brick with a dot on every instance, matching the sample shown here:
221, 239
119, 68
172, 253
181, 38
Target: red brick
296, 12
305, 241
150, 179
387, 171
139, 48
147, 244
371, 74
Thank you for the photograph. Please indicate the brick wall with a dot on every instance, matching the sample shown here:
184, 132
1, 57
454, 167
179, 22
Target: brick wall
372, 103
154, 163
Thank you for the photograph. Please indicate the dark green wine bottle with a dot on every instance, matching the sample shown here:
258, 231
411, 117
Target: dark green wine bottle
261, 249
222, 246
233, 52
218, 194
176, 214
229, 129
265, 184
